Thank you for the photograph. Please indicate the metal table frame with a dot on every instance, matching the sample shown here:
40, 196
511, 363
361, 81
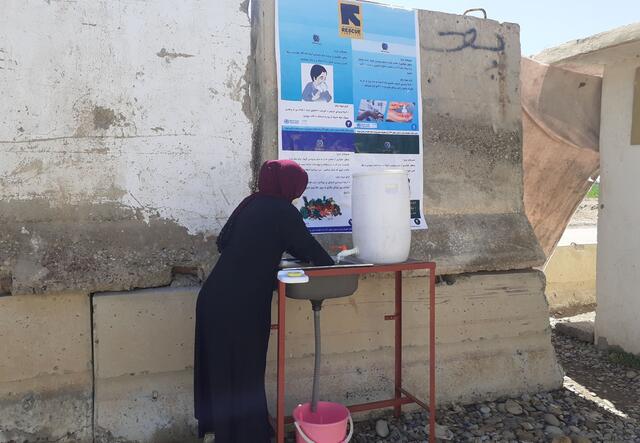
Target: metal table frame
401, 397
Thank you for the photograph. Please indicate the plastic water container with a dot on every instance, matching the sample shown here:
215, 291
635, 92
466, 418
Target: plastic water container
381, 212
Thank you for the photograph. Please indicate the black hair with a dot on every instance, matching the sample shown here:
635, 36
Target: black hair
316, 71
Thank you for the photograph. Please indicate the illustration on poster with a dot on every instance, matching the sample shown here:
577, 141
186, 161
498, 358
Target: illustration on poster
349, 101
319, 89
400, 112
371, 110
320, 208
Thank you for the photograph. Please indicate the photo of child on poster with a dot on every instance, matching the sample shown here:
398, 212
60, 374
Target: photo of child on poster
320, 88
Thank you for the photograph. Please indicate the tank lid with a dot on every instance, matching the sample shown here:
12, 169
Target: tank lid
381, 172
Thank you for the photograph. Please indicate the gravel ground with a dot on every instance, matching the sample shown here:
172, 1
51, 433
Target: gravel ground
599, 402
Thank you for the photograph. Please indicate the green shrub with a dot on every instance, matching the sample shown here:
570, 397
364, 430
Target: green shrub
594, 192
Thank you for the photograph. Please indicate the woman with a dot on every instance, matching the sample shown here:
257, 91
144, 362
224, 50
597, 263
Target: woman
233, 312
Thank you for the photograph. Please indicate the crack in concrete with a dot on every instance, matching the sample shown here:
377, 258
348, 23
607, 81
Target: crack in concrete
97, 137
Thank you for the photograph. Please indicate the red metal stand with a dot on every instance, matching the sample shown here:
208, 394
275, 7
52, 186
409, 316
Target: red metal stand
401, 396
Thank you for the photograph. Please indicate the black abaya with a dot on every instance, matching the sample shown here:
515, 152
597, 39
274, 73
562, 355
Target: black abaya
233, 319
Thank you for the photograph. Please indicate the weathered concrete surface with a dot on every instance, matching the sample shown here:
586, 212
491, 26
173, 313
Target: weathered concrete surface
154, 408
125, 140
92, 247
45, 369
561, 125
472, 141
571, 277
143, 371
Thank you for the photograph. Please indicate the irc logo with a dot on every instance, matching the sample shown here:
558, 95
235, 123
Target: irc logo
350, 20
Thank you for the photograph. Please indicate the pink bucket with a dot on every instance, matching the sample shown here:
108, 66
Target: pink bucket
327, 425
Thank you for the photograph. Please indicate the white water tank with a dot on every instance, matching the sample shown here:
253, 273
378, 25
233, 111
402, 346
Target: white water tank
381, 216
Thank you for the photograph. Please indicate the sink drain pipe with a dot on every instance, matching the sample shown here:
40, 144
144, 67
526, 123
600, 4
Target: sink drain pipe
317, 306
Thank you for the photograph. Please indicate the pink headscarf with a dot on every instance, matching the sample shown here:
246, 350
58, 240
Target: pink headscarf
283, 179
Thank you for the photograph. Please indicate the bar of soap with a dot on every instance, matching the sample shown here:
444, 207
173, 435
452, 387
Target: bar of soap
292, 276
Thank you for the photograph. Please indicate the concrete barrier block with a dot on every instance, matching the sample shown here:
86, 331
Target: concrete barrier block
571, 278
472, 132
143, 351
492, 330
45, 369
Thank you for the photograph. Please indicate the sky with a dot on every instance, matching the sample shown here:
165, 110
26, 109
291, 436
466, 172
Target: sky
544, 23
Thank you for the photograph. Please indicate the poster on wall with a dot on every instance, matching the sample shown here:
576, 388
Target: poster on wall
349, 101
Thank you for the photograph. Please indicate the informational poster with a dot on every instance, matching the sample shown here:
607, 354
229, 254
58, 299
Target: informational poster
349, 101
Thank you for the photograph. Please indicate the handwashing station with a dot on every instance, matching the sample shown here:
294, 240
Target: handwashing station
381, 244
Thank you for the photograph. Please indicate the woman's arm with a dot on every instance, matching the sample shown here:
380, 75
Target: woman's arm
299, 241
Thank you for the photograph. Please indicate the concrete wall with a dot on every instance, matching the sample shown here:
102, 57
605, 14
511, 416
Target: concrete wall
45, 369
571, 278
125, 138
143, 373
129, 138
473, 178
618, 236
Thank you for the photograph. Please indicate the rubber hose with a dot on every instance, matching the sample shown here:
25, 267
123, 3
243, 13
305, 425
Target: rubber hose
316, 366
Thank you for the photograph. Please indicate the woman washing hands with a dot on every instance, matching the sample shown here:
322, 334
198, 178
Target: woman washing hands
233, 311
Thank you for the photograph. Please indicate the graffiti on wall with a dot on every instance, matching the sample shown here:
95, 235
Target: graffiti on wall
467, 39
